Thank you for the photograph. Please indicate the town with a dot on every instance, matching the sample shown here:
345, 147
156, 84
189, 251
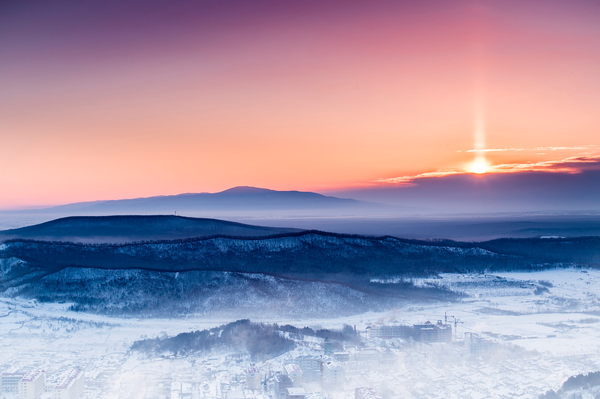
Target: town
327, 370
33, 385
505, 341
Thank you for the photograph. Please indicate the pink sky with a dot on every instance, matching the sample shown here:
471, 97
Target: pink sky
129, 100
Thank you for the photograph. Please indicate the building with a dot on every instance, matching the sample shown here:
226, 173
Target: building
395, 331
341, 356
282, 382
295, 393
333, 376
71, 386
476, 345
10, 382
368, 355
253, 379
429, 332
310, 366
32, 385
180, 389
366, 393
293, 371
328, 347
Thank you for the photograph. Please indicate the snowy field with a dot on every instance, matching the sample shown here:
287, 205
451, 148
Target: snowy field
546, 326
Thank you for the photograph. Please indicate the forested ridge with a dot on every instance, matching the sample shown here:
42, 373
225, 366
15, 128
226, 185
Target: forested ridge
311, 254
324, 271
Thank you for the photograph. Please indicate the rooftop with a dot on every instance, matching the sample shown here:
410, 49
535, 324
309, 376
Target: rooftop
333, 365
368, 393
369, 351
296, 391
292, 368
311, 357
33, 375
68, 380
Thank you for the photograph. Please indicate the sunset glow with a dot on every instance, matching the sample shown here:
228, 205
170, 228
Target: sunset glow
101, 101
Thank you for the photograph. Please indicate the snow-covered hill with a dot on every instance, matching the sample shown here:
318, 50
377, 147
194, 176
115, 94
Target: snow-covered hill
308, 272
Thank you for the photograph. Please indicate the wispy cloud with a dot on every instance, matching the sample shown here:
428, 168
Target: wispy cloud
409, 179
566, 165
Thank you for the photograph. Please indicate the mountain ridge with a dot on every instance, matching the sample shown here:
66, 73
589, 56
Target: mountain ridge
235, 198
196, 273
294, 254
132, 228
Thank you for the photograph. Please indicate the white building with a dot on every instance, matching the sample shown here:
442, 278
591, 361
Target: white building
477, 345
281, 383
71, 386
32, 385
253, 379
341, 356
310, 366
293, 371
10, 382
393, 331
368, 355
333, 375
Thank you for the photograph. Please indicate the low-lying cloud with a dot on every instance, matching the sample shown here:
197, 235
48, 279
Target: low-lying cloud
566, 165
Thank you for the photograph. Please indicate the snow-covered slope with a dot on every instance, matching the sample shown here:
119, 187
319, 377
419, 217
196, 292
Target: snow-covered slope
314, 272
167, 294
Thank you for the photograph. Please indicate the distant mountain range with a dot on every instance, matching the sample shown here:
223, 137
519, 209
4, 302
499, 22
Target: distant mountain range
121, 229
237, 199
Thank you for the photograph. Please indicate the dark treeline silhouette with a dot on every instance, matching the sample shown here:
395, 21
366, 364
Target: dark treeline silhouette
580, 381
259, 340
346, 334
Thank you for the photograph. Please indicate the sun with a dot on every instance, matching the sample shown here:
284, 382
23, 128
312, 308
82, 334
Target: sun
479, 166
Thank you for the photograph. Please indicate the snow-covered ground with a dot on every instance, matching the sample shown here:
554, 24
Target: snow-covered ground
546, 326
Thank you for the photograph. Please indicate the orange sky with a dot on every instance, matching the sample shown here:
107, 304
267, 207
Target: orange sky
201, 97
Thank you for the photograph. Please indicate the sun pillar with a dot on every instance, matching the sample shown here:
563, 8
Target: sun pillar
480, 164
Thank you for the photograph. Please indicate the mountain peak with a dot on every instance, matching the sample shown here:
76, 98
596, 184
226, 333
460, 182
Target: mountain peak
245, 190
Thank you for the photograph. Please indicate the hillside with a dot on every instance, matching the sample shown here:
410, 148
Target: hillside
294, 273
306, 255
121, 229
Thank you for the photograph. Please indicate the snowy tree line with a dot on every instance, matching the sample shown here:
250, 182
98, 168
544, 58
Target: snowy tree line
260, 341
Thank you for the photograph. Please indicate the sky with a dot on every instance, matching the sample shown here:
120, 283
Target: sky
132, 98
